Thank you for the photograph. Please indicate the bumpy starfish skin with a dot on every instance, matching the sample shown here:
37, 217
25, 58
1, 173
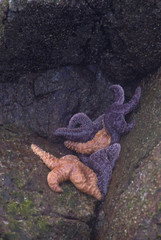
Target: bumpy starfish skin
80, 128
83, 120
69, 168
114, 119
101, 140
80, 120
102, 162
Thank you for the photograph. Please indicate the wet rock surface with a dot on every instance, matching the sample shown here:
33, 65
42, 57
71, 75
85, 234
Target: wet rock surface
46, 101
28, 208
132, 208
123, 38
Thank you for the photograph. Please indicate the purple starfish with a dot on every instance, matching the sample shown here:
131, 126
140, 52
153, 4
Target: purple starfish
80, 128
102, 162
114, 119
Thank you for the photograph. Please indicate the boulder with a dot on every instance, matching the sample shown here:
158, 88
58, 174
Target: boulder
133, 205
122, 38
46, 101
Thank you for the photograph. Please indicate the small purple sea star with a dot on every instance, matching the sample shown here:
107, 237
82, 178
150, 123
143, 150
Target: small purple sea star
114, 119
80, 128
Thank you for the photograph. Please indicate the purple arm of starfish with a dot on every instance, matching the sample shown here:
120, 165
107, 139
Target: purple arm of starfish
83, 120
84, 159
118, 94
115, 117
103, 173
84, 132
98, 123
124, 109
76, 134
121, 125
102, 162
128, 107
80, 119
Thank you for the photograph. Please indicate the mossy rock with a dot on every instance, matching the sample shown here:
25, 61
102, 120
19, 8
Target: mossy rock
29, 209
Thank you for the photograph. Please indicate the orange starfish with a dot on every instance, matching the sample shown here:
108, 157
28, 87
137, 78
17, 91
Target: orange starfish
69, 168
101, 140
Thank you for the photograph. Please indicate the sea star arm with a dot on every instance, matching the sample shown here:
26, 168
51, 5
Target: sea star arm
55, 177
98, 123
118, 94
102, 163
100, 140
127, 107
104, 179
121, 126
69, 168
86, 181
84, 159
83, 120
49, 160
126, 128
115, 135
98, 160
80, 119
113, 153
75, 134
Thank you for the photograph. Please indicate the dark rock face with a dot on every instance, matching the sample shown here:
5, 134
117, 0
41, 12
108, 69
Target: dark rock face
132, 207
133, 30
123, 38
45, 35
44, 102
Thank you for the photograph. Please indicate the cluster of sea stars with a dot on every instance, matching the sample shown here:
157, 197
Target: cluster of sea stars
97, 145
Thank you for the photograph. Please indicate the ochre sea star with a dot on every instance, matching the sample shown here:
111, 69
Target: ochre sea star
69, 168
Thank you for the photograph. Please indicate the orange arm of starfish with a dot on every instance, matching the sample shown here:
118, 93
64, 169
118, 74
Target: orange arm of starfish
100, 140
69, 168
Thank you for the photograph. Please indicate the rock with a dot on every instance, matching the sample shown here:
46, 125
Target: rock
46, 101
55, 35
28, 208
122, 38
132, 208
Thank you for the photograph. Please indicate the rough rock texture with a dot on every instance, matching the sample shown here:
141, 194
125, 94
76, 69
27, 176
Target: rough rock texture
28, 208
122, 37
47, 101
133, 204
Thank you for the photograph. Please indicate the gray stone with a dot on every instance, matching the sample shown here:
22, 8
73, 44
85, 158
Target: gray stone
122, 38
132, 208
46, 101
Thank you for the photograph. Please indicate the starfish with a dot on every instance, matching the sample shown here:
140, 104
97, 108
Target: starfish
80, 128
114, 119
69, 168
100, 140
102, 163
